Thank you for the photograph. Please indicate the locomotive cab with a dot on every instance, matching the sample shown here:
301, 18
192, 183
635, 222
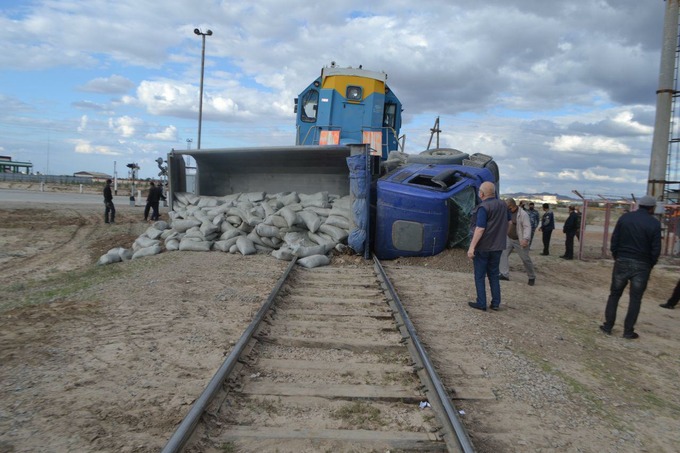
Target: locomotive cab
347, 106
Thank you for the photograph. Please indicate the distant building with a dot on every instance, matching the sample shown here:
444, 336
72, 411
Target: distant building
7, 165
93, 175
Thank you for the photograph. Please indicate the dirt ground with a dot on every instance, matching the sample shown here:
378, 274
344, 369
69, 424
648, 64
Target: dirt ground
110, 358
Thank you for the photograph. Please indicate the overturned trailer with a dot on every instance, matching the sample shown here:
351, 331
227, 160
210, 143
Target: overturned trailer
413, 209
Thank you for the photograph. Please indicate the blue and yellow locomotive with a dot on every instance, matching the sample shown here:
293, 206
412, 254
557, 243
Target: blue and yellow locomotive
347, 106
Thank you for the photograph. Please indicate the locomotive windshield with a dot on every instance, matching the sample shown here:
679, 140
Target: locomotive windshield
310, 102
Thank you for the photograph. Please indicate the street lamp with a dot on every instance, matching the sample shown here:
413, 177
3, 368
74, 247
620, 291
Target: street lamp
200, 102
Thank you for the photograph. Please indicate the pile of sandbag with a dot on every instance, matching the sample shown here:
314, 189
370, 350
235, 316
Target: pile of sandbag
287, 225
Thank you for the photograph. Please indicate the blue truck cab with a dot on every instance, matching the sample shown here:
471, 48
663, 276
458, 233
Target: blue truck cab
422, 209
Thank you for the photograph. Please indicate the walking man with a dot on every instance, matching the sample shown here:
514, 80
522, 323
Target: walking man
547, 227
152, 201
519, 237
674, 299
635, 246
108, 202
489, 225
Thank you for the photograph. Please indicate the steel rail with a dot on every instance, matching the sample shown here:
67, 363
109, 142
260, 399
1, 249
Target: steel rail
455, 425
186, 428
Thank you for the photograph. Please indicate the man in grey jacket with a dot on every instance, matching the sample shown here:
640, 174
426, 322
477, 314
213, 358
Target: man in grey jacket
519, 238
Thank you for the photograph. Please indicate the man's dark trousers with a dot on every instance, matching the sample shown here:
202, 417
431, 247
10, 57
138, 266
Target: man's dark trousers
625, 270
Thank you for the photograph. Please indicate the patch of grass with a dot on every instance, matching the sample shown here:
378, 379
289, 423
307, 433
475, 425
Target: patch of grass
229, 447
358, 413
58, 287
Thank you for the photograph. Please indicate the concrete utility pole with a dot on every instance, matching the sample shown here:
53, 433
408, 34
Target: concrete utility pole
664, 102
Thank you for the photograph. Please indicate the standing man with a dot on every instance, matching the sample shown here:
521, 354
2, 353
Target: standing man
519, 236
489, 228
108, 202
533, 217
635, 246
152, 201
547, 227
571, 226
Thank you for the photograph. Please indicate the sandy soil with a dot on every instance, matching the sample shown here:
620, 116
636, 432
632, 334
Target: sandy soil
110, 358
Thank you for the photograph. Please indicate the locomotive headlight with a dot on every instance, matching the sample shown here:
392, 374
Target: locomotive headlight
353, 93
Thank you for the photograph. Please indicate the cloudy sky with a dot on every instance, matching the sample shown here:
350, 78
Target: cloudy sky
561, 93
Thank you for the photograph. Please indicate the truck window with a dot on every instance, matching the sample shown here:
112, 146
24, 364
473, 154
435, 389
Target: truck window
310, 103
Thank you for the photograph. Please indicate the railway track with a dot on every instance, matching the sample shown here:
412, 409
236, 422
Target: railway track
331, 362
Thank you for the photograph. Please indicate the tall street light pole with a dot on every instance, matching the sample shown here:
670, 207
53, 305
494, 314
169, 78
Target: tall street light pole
200, 102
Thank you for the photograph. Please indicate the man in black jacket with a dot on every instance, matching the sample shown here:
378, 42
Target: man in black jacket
635, 246
108, 202
571, 227
152, 200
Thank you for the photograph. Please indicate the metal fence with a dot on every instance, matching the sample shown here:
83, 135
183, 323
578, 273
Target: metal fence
51, 179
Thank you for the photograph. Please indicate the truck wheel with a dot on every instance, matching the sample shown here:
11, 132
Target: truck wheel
438, 156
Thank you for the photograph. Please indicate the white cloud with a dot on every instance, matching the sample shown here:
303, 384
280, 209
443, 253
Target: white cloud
587, 145
124, 126
169, 134
86, 147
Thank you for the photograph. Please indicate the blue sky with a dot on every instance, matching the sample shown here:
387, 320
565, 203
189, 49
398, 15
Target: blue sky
562, 94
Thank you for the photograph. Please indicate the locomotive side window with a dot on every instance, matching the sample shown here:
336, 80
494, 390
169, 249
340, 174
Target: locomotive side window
353, 93
310, 104
390, 115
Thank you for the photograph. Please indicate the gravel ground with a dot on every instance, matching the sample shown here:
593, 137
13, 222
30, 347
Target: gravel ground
110, 358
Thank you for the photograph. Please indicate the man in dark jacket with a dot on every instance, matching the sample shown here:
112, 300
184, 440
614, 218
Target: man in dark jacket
571, 227
152, 201
635, 246
108, 202
489, 224
547, 227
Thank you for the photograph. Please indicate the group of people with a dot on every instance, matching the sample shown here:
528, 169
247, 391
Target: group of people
153, 198
498, 228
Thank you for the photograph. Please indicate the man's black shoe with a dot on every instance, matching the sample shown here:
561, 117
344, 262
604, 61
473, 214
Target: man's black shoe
566, 257
544, 254
631, 336
605, 329
494, 307
474, 305
667, 305
532, 281
503, 277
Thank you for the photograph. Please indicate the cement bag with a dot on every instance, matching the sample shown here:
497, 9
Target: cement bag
275, 220
233, 233
229, 199
147, 251
284, 253
311, 220
323, 212
314, 261
245, 246
338, 234
267, 209
217, 210
182, 226
109, 258
123, 253
208, 228
202, 216
337, 221
272, 243
252, 218
182, 197
289, 198
322, 239
168, 234
253, 196
161, 225
206, 201
319, 199
289, 215
255, 238
268, 231
187, 245
309, 250
263, 248
194, 232
144, 242
297, 238
172, 245
225, 244
153, 233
